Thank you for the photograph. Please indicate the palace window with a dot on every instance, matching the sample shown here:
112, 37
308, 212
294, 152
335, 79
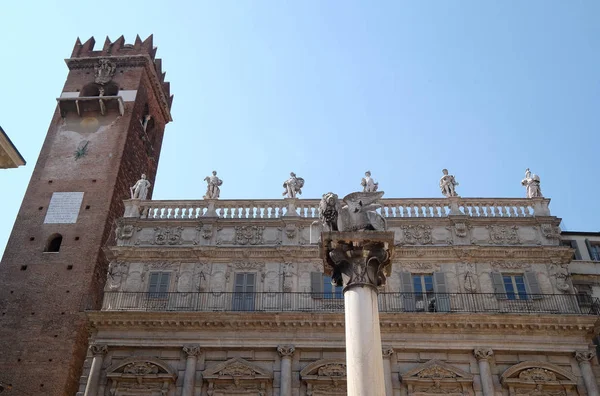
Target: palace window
158, 286
593, 250
244, 291
321, 287
516, 286
424, 292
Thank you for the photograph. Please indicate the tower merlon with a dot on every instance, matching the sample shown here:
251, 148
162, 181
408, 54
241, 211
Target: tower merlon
141, 53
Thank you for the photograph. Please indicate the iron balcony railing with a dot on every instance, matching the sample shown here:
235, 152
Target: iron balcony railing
320, 302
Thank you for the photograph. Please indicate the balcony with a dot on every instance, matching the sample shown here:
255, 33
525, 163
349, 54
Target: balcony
559, 304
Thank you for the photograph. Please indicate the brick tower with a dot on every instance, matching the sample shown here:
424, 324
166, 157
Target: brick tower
106, 131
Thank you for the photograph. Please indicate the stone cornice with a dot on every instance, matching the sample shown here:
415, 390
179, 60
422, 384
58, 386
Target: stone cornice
130, 61
392, 323
434, 254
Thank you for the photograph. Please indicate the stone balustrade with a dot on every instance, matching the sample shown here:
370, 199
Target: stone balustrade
308, 208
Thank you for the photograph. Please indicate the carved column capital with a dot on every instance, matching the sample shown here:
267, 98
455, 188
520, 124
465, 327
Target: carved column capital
286, 350
387, 352
584, 356
358, 259
483, 353
98, 349
192, 350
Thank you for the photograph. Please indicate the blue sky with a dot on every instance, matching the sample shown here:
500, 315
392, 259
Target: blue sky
329, 89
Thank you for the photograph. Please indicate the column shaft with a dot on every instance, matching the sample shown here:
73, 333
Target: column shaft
485, 373
364, 360
91, 389
189, 379
588, 378
387, 372
286, 376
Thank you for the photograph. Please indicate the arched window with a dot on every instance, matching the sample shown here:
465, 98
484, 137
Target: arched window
54, 243
93, 89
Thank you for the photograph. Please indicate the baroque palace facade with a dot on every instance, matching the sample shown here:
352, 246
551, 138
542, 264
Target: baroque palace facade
228, 297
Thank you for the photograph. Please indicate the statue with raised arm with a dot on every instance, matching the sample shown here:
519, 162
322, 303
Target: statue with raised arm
140, 188
369, 185
448, 184
532, 185
293, 186
212, 189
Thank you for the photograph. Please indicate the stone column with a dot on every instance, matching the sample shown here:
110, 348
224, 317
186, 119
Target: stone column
584, 357
189, 378
360, 261
387, 370
98, 352
286, 352
483, 356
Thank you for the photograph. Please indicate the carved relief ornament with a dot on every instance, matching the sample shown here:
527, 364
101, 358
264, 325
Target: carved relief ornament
417, 234
249, 235
327, 377
104, 71
437, 377
167, 235
535, 378
550, 231
503, 235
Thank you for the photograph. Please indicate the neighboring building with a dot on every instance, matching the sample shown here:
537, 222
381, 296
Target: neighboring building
228, 297
9, 155
585, 267
99, 141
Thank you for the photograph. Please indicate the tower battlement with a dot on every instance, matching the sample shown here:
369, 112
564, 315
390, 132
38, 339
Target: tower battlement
84, 55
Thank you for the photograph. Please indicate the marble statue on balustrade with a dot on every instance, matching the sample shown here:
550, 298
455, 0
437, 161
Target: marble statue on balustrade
448, 184
369, 185
140, 188
212, 189
358, 213
293, 186
532, 184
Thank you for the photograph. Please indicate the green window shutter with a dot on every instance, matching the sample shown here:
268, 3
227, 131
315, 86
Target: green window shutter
576, 247
442, 299
532, 284
591, 251
316, 283
163, 285
498, 284
153, 284
408, 296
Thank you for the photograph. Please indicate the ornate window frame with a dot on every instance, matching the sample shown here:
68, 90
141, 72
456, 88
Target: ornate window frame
535, 378
435, 377
325, 377
239, 376
136, 375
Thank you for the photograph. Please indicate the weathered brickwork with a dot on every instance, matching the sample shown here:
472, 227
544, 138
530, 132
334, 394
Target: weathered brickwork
43, 336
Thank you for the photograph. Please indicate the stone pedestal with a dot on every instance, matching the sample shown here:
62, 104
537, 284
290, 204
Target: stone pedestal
211, 211
291, 207
286, 352
360, 261
483, 356
584, 358
189, 378
132, 207
98, 352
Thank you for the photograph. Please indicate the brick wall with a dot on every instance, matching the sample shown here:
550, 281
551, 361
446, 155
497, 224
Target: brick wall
43, 336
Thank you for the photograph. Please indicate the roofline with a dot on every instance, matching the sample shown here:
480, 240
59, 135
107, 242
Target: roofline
12, 146
582, 233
